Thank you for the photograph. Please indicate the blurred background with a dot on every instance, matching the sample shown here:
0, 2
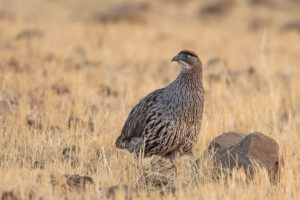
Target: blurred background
71, 71
102, 56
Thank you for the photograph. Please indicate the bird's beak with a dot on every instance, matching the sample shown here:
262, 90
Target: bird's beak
175, 58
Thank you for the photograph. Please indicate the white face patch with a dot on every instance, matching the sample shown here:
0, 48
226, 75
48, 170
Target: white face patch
184, 66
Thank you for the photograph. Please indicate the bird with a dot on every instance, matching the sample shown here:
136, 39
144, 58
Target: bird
167, 121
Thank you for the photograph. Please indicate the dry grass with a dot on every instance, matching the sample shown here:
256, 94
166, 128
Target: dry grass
75, 80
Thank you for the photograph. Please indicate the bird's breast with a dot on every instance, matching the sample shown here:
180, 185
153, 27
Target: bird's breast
184, 105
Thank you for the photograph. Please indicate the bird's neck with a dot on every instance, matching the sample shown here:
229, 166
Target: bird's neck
192, 75
185, 95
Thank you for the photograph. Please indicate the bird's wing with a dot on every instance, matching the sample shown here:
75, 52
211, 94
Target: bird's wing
136, 121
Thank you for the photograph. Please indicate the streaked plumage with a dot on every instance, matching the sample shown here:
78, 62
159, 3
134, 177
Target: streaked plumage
167, 122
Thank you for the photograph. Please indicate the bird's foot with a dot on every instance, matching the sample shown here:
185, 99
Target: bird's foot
176, 167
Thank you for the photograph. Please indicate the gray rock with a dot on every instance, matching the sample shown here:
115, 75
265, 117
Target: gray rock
69, 155
291, 26
255, 149
4, 109
33, 123
78, 183
9, 195
218, 8
126, 190
29, 34
129, 12
224, 141
39, 164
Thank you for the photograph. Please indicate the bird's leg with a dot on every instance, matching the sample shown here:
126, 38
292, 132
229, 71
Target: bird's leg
174, 160
175, 165
139, 154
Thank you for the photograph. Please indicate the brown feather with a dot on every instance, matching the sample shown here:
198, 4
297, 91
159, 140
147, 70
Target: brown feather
167, 122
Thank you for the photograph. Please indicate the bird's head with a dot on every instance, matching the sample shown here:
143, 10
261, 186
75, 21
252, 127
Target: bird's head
187, 60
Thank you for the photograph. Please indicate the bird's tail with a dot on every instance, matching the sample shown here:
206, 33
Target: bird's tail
120, 143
